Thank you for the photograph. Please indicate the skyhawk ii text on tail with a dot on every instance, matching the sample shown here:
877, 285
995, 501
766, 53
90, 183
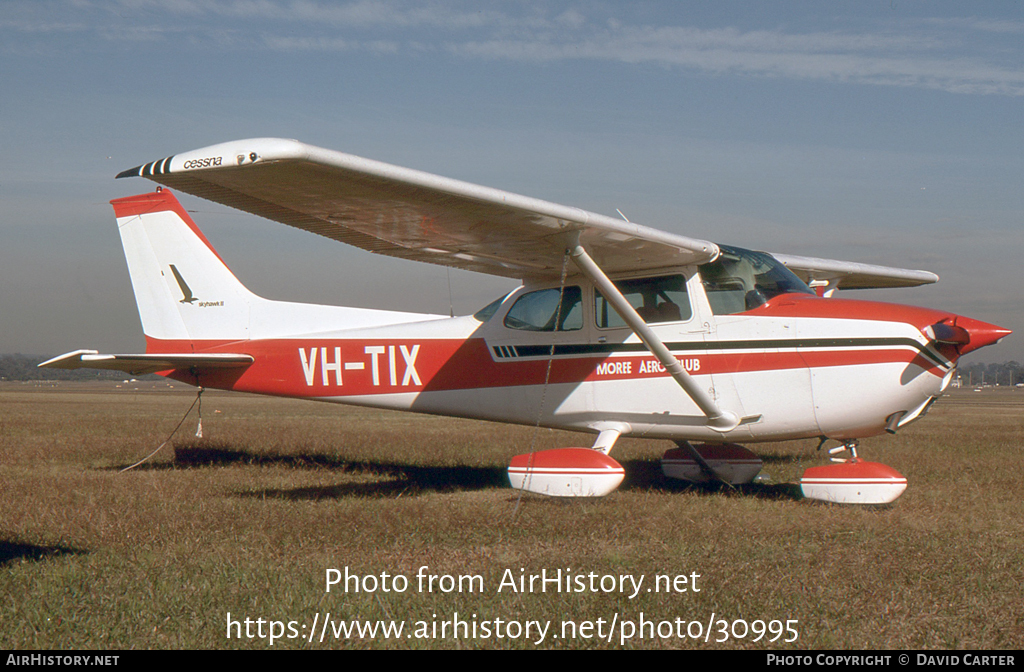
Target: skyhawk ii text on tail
617, 329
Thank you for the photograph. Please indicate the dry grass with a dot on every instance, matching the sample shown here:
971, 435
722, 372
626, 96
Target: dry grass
247, 521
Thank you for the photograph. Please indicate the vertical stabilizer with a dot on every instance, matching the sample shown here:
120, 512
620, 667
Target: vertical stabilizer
183, 289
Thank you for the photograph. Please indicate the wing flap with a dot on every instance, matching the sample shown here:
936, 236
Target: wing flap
412, 214
141, 364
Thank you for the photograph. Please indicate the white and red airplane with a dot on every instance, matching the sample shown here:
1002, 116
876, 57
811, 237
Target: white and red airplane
617, 329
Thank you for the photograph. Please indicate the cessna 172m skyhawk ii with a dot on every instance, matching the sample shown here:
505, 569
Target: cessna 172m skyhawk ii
617, 329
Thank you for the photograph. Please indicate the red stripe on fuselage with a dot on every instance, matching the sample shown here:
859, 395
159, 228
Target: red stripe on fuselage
348, 367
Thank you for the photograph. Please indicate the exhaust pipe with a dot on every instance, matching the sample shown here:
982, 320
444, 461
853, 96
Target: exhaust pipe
892, 423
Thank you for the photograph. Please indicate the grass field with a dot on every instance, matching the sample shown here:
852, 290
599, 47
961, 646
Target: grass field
249, 519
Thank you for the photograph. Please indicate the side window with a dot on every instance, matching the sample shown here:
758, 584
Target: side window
661, 299
539, 311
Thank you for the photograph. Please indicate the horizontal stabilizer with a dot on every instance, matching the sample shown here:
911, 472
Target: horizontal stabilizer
142, 364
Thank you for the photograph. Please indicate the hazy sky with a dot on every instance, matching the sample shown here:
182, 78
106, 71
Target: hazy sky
885, 132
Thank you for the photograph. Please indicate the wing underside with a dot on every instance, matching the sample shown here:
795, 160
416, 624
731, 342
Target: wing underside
413, 215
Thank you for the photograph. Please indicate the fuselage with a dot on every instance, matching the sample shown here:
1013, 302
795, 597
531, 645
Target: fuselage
794, 366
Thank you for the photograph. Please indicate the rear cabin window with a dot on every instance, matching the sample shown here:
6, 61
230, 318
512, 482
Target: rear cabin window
661, 299
540, 310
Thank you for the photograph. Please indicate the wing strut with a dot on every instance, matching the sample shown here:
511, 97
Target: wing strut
718, 420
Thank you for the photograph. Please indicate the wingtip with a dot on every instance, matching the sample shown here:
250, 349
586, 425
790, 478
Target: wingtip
131, 172
160, 167
67, 360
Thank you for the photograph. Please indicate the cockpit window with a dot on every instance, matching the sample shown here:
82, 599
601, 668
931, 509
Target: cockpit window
540, 311
740, 280
661, 299
488, 311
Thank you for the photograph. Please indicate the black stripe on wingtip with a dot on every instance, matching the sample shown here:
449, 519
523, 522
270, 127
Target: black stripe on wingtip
131, 172
161, 167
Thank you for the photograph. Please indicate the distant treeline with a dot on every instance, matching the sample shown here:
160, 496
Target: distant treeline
24, 367
1007, 373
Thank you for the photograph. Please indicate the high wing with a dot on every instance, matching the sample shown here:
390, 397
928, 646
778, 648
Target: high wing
416, 215
141, 364
851, 275
411, 214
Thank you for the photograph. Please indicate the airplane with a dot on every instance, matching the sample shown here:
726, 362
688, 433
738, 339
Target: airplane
617, 329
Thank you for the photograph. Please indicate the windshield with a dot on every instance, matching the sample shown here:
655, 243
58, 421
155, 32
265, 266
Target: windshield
740, 280
488, 311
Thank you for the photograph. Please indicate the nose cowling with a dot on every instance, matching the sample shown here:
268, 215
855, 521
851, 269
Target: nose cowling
979, 334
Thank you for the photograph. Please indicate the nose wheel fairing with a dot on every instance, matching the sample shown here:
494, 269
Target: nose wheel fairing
853, 482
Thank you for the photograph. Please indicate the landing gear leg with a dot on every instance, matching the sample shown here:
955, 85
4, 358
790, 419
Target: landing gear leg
706, 468
848, 445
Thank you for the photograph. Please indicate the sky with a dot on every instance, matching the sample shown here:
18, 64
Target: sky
880, 132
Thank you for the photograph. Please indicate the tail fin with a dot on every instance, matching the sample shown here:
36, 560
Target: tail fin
183, 289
